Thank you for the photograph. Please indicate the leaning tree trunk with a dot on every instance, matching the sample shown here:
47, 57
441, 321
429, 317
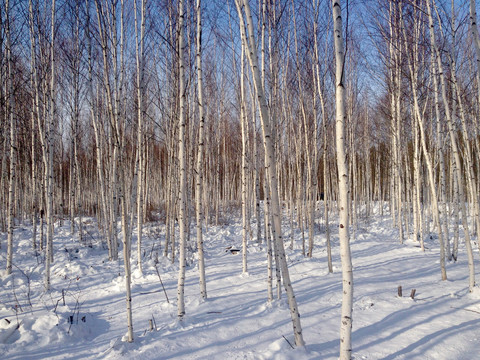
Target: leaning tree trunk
470, 170
413, 71
469, 159
268, 142
453, 141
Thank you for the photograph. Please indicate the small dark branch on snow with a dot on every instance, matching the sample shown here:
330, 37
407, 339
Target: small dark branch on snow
154, 323
161, 282
288, 342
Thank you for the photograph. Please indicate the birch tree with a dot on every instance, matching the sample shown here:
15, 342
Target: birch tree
104, 219
73, 55
10, 114
320, 90
476, 41
268, 143
108, 28
200, 156
340, 118
49, 139
182, 193
414, 71
453, 141
243, 123
140, 62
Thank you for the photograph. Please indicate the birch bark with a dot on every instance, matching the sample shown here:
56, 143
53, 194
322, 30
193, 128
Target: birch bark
182, 198
243, 122
140, 59
413, 69
271, 165
10, 114
49, 167
454, 146
340, 118
200, 156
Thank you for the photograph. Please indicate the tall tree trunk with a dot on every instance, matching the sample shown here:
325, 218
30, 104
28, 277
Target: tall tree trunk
271, 165
457, 99
453, 142
49, 167
476, 43
127, 246
243, 121
345, 255
182, 193
200, 156
140, 59
34, 85
413, 70
321, 96
10, 114
99, 152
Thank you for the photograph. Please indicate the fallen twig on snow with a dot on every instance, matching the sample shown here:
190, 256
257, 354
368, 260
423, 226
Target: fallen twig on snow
474, 311
288, 342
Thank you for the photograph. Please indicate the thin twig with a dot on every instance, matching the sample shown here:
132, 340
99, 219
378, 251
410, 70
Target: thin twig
149, 292
477, 312
161, 282
288, 342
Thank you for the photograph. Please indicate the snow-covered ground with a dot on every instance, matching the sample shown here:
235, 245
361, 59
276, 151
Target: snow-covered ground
83, 316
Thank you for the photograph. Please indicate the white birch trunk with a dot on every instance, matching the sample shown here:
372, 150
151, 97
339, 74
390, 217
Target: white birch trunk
140, 59
99, 152
469, 159
325, 147
200, 156
325, 200
243, 121
34, 171
309, 198
456, 216
272, 173
413, 70
417, 181
114, 114
476, 42
182, 198
345, 255
453, 142
49, 167
126, 259
440, 143
10, 114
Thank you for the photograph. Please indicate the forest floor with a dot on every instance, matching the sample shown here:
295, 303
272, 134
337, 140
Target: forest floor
237, 322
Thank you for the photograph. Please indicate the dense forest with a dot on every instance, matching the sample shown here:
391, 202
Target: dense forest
183, 112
